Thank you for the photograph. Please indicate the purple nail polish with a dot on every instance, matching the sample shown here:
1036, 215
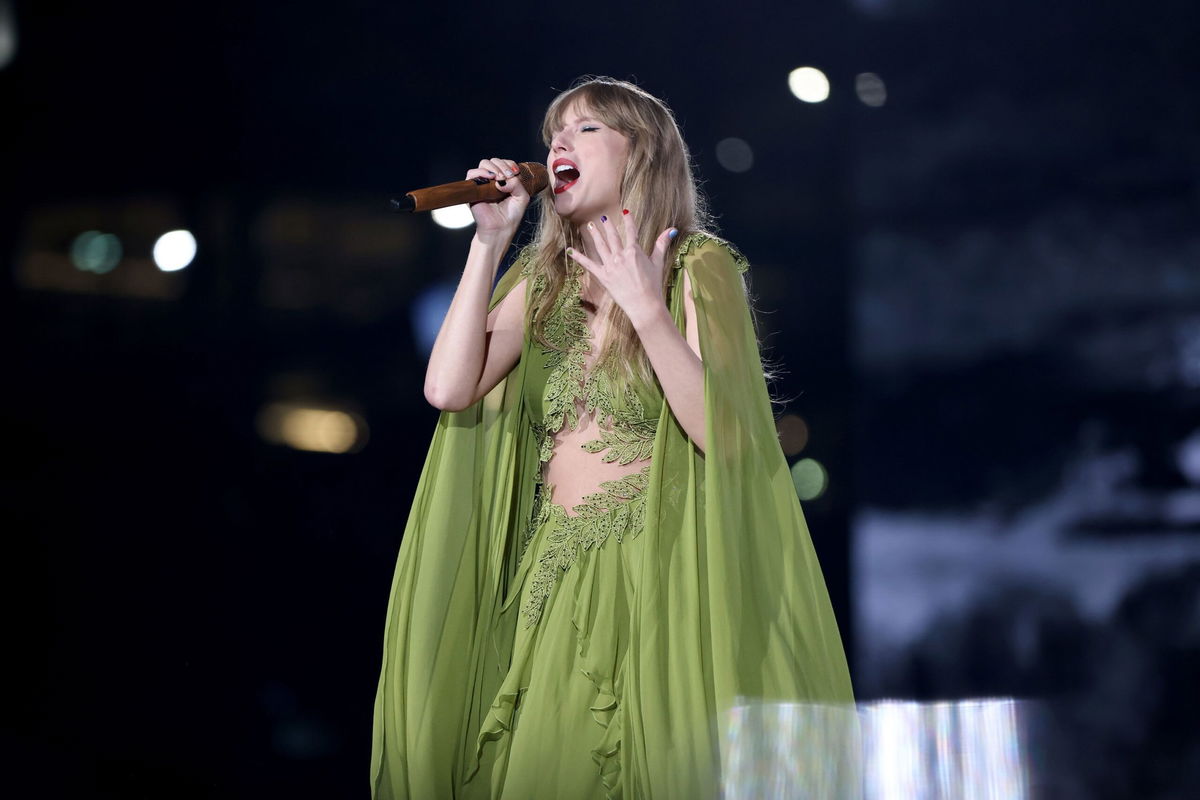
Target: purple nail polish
603, 218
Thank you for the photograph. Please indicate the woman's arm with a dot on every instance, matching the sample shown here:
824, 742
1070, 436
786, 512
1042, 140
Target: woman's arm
676, 361
474, 349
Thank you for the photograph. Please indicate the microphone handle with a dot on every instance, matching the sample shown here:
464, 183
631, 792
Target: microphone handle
478, 190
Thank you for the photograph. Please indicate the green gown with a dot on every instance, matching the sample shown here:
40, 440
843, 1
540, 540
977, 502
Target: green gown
534, 653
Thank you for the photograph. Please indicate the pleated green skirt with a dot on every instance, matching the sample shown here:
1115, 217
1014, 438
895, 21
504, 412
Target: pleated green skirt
554, 728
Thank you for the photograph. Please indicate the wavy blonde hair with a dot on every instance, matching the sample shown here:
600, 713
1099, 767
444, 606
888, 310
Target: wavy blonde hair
657, 186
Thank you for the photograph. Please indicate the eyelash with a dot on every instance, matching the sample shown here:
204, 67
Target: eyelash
590, 128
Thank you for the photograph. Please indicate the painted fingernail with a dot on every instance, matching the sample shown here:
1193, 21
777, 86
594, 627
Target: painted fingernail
592, 225
603, 218
674, 232
570, 251
489, 172
625, 211
501, 183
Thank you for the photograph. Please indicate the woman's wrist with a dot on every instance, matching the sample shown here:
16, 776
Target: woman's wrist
648, 314
494, 244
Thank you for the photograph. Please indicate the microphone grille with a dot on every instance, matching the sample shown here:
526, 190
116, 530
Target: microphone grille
534, 176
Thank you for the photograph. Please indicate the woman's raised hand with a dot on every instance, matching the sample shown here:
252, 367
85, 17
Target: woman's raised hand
633, 277
499, 219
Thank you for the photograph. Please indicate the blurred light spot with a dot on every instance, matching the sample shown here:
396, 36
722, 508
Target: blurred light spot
809, 84
793, 433
8, 34
93, 251
735, 154
317, 430
940, 751
870, 89
174, 250
810, 478
1188, 457
429, 309
453, 217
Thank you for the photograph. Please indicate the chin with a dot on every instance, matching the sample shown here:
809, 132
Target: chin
568, 210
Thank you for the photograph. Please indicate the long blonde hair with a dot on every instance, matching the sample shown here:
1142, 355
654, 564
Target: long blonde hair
658, 187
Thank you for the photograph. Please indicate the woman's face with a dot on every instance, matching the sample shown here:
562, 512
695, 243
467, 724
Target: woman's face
586, 164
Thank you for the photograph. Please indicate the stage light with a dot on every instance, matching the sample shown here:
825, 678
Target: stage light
793, 433
809, 84
453, 217
734, 154
946, 750
810, 478
317, 430
93, 251
870, 89
174, 250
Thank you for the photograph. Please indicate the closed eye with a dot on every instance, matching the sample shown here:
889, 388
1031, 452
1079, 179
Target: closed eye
590, 128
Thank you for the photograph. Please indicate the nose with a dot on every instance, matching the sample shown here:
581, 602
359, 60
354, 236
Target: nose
559, 143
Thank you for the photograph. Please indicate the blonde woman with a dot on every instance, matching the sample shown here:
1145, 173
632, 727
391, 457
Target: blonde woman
605, 555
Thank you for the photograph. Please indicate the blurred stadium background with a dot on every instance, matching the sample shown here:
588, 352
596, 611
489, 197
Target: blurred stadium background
973, 227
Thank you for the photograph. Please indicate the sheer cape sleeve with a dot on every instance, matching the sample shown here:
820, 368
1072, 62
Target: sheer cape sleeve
731, 612
445, 640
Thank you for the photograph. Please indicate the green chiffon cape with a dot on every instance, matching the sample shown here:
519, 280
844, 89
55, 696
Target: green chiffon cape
731, 607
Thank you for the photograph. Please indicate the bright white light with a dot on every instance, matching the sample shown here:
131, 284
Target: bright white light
870, 89
945, 751
735, 154
809, 84
174, 250
453, 216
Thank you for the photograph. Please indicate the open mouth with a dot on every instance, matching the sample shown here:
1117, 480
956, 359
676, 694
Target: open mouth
566, 174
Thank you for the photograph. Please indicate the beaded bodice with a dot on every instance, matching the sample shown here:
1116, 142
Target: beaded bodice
594, 441
575, 401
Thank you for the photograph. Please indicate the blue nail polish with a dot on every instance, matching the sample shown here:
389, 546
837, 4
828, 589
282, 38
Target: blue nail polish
674, 232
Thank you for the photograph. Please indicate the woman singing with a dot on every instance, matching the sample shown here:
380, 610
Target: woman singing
605, 555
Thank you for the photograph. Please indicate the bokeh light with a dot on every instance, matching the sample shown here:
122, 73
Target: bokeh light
870, 89
453, 217
735, 154
428, 310
809, 84
93, 251
8, 33
810, 478
174, 250
316, 430
793, 433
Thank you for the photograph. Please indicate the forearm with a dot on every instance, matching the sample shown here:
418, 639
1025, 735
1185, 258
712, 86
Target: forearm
457, 359
679, 370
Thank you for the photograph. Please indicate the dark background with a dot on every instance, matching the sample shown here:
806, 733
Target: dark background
985, 293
